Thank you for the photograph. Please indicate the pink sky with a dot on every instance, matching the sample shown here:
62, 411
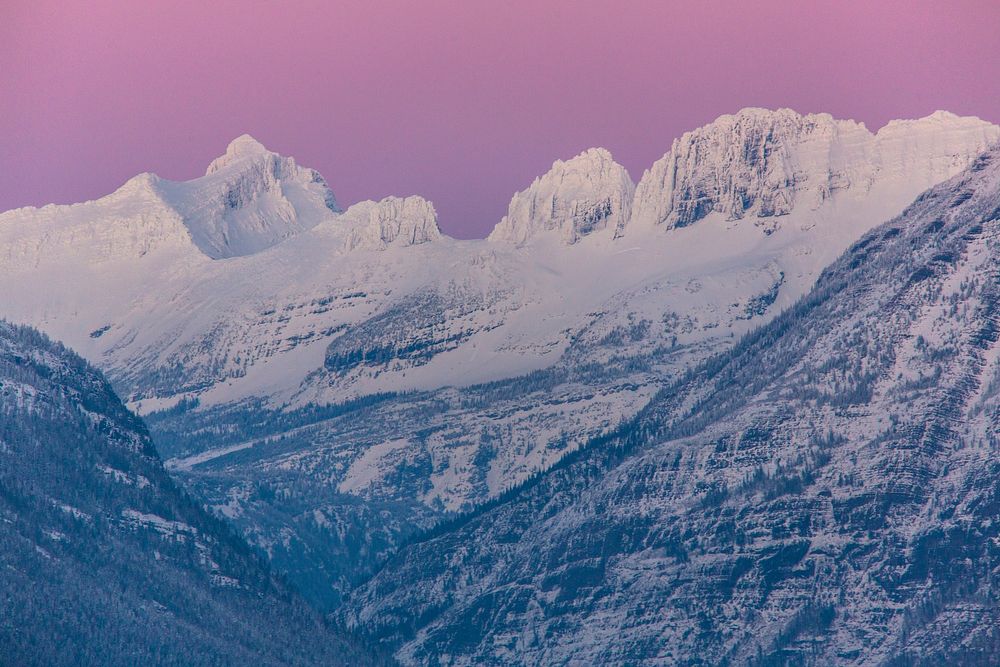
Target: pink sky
463, 102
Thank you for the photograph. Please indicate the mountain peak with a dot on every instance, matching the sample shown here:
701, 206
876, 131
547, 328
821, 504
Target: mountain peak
250, 199
393, 221
140, 184
941, 113
242, 147
935, 122
575, 198
762, 113
590, 156
245, 143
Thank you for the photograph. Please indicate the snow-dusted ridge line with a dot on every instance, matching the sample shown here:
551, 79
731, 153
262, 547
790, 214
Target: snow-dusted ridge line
764, 163
375, 301
754, 163
249, 200
254, 262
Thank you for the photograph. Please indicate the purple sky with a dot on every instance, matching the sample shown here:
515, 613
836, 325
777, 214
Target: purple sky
462, 101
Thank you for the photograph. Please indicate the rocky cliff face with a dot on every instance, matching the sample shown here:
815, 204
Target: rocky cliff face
825, 493
250, 199
393, 221
760, 164
588, 194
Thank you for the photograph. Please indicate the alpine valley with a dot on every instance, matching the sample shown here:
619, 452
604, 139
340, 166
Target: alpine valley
740, 412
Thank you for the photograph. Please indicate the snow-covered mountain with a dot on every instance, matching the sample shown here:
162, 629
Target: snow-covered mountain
825, 493
249, 200
590, 193
762, 165
105, 560
241, 300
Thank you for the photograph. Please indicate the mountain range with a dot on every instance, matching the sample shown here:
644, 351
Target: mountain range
727, 411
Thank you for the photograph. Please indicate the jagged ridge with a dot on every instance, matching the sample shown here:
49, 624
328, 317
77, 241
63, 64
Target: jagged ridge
823, 494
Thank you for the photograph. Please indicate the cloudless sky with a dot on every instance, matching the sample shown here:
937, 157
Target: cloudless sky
462, 101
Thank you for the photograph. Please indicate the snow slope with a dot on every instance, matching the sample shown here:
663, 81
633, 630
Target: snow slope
247, 290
